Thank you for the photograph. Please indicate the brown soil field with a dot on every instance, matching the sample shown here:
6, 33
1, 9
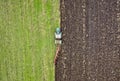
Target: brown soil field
90, 49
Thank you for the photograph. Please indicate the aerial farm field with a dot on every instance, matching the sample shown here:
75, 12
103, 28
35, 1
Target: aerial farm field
27, 39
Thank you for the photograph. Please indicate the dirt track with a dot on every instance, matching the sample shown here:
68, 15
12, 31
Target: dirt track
91, 41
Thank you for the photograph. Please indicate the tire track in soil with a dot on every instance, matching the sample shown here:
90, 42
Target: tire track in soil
90, 48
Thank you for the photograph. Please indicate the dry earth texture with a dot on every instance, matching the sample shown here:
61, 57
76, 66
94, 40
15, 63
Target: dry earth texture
91, 41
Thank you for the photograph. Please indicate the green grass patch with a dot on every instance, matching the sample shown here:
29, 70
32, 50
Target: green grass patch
27, 39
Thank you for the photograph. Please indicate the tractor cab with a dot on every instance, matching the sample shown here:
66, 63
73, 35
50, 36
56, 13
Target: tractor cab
58, 36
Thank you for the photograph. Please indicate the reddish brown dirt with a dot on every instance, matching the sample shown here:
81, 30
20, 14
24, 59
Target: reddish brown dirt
91, 41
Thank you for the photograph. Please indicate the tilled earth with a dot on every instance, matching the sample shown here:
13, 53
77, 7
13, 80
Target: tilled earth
91, 41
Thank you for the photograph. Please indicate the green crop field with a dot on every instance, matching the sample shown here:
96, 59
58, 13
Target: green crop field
27, 39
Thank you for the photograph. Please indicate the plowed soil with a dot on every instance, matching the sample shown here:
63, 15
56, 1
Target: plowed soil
91, 41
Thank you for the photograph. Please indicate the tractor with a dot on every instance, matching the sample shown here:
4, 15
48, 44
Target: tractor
58, 42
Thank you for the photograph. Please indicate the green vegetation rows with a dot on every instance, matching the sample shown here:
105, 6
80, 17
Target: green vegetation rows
27, 39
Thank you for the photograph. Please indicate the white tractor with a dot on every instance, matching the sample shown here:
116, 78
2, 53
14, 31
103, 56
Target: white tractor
58, 36
58, 42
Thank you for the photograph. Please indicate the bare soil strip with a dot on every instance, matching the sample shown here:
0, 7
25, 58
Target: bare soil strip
91, 41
